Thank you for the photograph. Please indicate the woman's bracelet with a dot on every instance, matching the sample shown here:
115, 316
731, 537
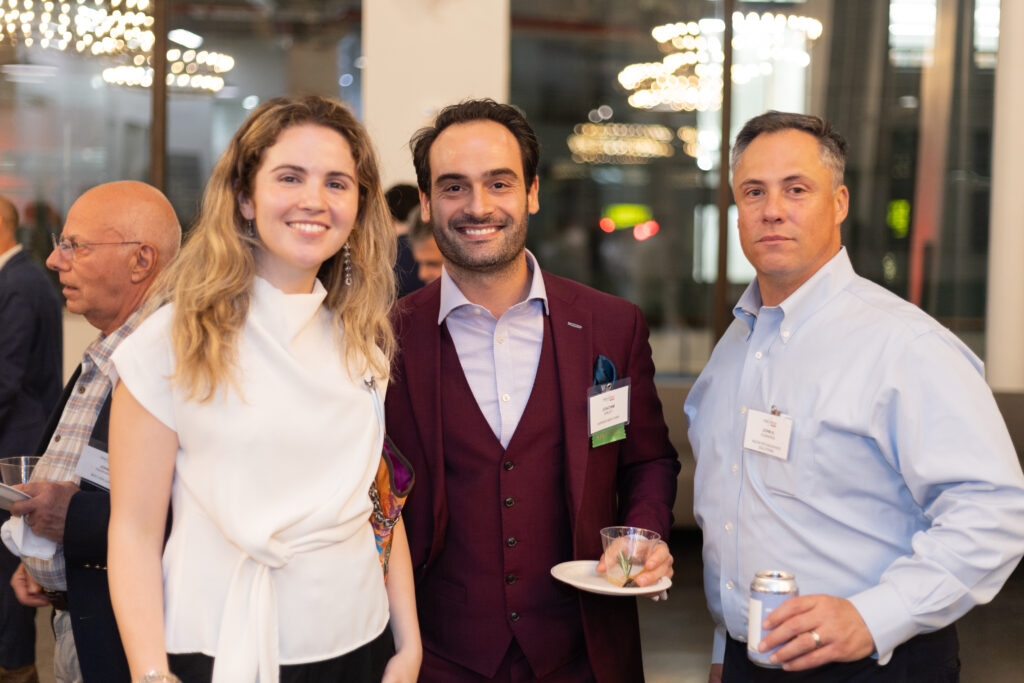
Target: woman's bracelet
154, 676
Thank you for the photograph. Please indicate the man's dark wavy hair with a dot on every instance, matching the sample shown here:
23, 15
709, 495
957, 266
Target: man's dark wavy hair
476, 110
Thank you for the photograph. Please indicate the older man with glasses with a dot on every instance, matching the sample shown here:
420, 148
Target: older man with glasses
117, 238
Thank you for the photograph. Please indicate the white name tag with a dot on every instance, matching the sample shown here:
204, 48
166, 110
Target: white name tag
93, 467
609, 408
768, 434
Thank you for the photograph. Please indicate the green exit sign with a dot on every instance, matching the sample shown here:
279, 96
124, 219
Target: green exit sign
628, 215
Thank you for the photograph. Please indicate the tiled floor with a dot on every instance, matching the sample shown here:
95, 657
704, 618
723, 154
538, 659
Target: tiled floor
677, 634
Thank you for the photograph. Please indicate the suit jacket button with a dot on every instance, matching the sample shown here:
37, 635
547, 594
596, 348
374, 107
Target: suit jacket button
511, 542
511, 578
509, 465
514, 616
510, 501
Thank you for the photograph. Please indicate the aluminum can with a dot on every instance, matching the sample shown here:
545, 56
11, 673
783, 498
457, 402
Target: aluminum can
768, 590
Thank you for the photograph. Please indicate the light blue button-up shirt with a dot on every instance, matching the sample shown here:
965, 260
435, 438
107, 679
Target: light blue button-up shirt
499, 356
901, 490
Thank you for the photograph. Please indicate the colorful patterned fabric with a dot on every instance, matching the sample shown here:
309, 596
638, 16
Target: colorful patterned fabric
388, 492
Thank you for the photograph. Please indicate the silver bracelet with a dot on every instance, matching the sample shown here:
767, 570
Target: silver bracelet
154, 676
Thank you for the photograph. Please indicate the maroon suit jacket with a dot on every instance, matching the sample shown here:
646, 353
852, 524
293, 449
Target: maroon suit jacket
629, 482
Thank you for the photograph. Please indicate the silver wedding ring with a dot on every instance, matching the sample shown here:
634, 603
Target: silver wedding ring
817, 639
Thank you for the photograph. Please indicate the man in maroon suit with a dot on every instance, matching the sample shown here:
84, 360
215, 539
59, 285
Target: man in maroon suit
489, 401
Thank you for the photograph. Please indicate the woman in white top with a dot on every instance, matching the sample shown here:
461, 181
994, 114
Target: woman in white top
251, 398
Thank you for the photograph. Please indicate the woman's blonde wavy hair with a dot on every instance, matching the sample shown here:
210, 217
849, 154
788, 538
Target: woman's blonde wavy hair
211, 281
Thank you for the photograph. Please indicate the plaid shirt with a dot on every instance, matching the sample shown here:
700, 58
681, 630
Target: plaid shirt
72, 435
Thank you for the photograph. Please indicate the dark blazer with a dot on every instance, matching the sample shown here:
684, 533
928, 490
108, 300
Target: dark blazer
30, 353
627, 482
97, 639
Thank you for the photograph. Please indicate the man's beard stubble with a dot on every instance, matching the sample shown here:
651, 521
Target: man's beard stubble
512, 238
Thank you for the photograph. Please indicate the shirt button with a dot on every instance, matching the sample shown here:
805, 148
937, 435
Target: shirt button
56, 438
743, 410
734, 468
81, 390
514, 616
510, 501
506, 398
728, 584
728, 526
758, 355
477, 311
509, 465
511, 542
511, 578
500, 340
785, 334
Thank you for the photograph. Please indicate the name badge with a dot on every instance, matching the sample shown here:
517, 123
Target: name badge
93, 466
609, 407
768, 434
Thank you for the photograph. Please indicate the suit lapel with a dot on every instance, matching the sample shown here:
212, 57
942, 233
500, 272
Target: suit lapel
422, 366
51, 425
572, 332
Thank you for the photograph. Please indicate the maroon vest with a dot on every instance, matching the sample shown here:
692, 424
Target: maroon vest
508, 525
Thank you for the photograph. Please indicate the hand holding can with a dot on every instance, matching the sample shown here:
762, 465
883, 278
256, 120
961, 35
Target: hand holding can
768, 590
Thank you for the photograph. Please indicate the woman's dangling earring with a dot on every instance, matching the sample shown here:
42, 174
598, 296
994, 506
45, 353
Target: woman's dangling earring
347, 263
250, 228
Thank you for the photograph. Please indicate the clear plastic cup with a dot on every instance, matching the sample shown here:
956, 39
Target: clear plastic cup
625, 552
18, 469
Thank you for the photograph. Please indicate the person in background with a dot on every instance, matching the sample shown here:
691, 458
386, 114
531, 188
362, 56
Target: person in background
845, 436
402, 200
30, 377
116, 239
252, 398
489, 403
428, 257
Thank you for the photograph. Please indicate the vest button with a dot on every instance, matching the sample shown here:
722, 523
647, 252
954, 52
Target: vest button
509, 465
514, 616
511, 578
511, 542
510, 501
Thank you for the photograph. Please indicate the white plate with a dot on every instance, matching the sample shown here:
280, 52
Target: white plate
9, 495
582, 575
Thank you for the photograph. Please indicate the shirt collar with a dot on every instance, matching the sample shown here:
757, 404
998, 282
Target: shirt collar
828, 281
9, 254
452, 297
99, 351
285, 315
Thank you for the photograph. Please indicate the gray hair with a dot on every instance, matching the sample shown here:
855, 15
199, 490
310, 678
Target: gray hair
831, 144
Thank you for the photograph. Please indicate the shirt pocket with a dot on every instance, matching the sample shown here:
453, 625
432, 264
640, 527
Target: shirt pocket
799, 473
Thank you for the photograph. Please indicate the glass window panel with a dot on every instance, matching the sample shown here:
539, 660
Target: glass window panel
584, 72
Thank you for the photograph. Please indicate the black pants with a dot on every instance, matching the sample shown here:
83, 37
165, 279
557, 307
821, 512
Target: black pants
363, 665
17, 622
927, 658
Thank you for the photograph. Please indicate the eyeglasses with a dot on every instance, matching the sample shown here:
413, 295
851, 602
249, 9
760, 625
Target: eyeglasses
67, 248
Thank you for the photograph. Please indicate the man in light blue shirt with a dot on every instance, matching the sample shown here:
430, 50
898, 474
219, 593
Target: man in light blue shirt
843, 435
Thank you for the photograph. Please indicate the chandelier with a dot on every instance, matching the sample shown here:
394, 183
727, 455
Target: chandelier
105, 27
690, 76
119, 29
188, 70
619, 143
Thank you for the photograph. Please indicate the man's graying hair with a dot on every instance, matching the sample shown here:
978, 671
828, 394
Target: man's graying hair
830, 143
